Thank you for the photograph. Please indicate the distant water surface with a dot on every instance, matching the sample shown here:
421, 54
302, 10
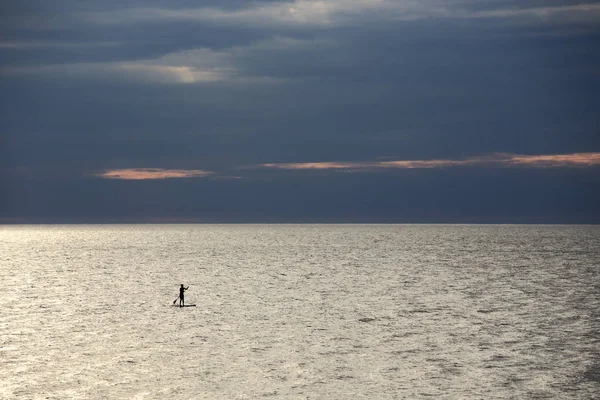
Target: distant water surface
300, 312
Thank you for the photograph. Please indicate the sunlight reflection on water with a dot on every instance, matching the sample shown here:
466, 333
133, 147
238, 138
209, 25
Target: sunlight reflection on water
300, 311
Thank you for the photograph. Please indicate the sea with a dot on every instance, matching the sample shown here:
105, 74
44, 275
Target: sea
300, 312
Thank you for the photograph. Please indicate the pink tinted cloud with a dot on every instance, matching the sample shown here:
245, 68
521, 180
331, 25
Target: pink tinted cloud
558, 160
315, 165
497, 159
152, 173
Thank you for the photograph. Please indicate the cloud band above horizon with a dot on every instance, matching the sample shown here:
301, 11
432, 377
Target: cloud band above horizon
152, 173
579, 160
497, 159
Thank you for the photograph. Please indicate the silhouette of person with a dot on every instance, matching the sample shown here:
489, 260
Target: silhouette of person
181, 292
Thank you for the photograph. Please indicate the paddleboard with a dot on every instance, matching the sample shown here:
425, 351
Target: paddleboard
187, 305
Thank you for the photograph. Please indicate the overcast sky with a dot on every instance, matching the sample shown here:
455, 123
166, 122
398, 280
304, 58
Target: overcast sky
300, 111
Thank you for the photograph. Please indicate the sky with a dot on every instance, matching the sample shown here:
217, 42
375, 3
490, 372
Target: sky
340, 111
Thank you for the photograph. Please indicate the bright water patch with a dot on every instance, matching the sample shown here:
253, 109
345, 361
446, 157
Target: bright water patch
296, 312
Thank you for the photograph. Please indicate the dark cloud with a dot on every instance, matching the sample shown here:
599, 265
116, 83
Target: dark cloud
436, 196
93, 86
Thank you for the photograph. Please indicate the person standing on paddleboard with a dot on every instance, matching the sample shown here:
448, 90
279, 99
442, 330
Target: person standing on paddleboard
181, 292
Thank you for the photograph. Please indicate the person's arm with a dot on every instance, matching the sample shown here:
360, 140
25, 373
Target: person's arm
187, 288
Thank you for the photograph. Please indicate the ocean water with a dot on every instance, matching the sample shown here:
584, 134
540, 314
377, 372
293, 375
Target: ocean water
300, 312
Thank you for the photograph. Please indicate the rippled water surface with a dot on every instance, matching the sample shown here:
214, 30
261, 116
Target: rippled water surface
300, 312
